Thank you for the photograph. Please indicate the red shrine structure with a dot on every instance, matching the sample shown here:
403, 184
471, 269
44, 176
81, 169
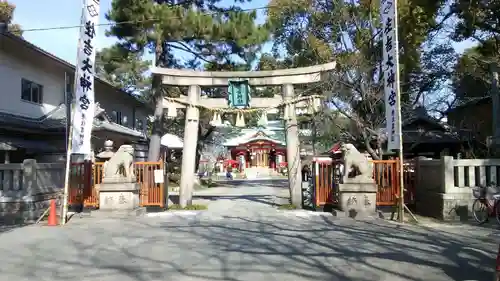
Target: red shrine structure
258, 149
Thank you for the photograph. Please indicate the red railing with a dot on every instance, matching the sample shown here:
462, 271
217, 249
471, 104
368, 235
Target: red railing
385, 175
85, 177
325, 180
151, 194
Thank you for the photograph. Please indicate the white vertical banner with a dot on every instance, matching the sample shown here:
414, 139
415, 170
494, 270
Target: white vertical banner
388, 15
84, 108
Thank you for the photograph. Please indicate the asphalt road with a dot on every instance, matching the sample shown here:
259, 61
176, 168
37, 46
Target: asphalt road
242, 237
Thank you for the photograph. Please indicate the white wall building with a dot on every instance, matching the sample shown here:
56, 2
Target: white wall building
33, 89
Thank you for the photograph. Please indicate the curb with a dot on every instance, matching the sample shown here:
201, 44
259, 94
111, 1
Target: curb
180, 213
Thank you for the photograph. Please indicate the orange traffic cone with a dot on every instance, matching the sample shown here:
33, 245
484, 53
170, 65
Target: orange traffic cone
52, 221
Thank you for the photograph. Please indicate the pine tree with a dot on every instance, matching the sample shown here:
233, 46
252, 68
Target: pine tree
211, 34
125, 70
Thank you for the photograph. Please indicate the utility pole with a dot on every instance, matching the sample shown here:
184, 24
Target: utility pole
495, 101
314, 132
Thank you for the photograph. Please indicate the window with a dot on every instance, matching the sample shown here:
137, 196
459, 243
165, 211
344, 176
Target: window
116, 117
305, 125
139, 125
31, 91
124, 121
119, 118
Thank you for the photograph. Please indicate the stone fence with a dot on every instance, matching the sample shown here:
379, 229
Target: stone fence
444, 186
26, 189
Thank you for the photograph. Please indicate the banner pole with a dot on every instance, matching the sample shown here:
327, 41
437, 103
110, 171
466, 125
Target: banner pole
390, 54
401, 209
84, 94
64, 212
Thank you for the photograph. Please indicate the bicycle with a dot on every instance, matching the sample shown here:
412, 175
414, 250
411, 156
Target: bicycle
482, 208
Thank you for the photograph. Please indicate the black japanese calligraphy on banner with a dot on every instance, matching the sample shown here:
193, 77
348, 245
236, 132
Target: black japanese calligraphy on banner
390, 70
84, 79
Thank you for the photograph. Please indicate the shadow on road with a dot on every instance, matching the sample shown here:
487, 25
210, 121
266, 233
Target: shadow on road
262, 199
279, 183
241, 249
267, 192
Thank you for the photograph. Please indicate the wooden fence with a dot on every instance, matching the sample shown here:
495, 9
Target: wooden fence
325, 172
385, 175
85, 177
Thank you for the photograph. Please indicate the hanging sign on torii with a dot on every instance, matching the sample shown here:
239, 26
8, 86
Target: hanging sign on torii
238, 94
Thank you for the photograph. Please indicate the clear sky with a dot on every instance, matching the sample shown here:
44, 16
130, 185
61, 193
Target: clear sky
62, 13
32, 14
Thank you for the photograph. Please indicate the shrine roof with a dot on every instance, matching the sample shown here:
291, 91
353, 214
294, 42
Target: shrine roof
13, 143
257, 135
55, 120
117, 128
416, 136
172, 141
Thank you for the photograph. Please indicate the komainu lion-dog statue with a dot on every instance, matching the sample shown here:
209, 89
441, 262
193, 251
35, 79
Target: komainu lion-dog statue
357, 162
121, 165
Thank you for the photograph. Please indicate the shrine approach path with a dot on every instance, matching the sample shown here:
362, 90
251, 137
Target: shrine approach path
243, 237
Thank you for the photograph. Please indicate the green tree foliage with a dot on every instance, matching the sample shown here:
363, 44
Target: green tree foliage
210, 33
472, 76
477, 20
327, 127
347, 31
6, 17
125, 70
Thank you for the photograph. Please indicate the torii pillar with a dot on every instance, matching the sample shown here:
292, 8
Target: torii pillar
194, 80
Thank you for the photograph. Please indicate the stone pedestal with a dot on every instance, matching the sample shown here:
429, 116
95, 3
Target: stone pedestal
118, 196
358, 199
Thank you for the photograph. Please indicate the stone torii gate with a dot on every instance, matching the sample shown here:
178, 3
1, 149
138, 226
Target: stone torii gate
194, 80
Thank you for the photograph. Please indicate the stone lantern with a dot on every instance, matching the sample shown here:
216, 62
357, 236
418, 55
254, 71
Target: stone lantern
108, 151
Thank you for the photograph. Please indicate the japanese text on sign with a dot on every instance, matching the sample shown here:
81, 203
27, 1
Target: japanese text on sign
391, 77
239, 98
238, 94
83, 114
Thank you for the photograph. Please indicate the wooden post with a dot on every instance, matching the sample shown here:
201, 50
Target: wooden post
164, 197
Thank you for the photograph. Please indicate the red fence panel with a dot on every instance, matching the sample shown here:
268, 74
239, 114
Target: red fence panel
85, 177
385, 175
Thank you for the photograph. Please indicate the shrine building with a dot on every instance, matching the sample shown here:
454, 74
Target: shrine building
258, 148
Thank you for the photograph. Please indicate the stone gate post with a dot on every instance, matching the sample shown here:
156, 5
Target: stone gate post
189, 150
292, 148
